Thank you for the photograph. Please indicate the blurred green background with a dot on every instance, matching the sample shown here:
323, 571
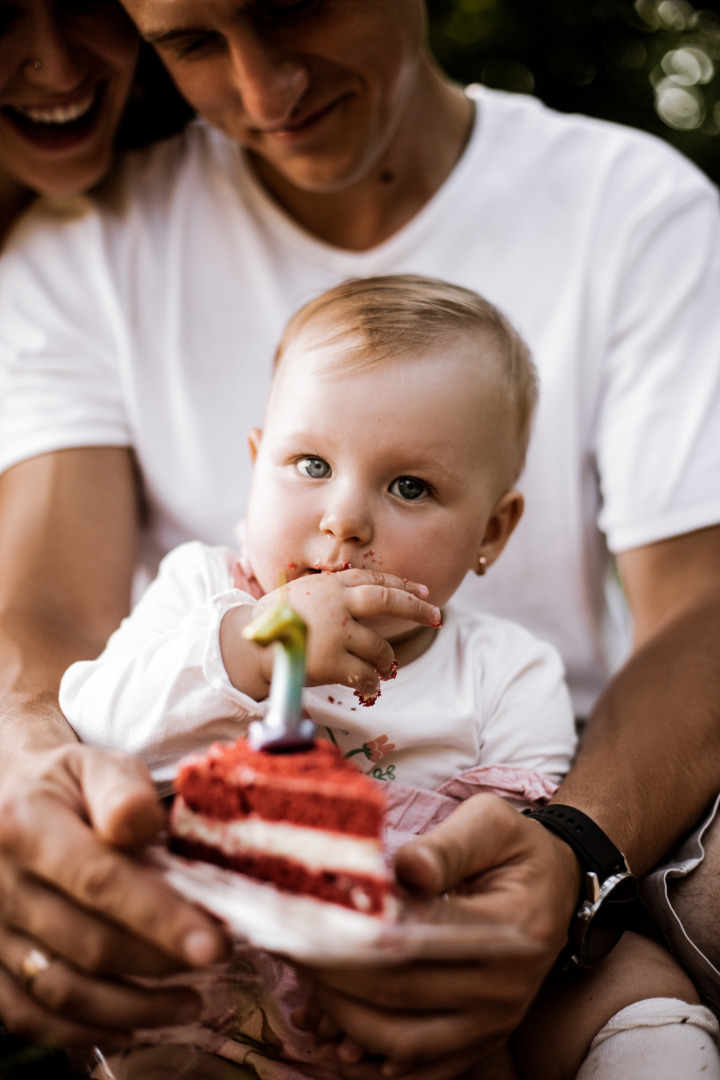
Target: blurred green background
653, 64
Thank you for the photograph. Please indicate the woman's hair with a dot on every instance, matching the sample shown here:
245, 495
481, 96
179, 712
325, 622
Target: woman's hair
154, 109
366, 321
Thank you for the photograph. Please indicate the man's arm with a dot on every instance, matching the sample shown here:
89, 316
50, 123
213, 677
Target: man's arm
649, 765
650, 762
68, 525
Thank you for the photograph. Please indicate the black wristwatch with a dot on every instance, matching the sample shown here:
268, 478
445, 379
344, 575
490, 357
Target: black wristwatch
610, 891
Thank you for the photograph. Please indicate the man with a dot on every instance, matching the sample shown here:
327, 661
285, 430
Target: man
138, 335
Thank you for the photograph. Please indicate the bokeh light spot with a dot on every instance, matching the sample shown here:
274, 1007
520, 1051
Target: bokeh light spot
680, 107
688, 66
675, 14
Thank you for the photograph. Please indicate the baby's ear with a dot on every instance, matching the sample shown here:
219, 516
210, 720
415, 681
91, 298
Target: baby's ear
254, 437
499, 528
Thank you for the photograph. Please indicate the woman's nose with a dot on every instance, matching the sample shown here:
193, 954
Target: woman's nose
55, 63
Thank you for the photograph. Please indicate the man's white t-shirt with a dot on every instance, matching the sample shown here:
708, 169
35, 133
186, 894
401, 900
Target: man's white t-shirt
485, 693
151, 319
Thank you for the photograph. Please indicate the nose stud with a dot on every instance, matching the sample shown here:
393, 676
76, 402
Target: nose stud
37, 65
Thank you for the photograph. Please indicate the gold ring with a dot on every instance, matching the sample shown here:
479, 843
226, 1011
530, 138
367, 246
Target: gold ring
33, 964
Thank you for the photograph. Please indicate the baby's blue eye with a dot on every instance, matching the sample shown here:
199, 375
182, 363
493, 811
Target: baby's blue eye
314, 467
408, 487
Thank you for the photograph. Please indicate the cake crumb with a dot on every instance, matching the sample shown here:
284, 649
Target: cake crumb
392, 674
367, 700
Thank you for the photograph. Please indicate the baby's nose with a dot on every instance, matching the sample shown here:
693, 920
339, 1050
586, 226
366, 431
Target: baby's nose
347, 520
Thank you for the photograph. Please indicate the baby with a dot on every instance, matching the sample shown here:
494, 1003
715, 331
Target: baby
395, 432
396, 427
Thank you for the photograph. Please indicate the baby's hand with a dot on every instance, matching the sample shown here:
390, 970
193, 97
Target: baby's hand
340, 648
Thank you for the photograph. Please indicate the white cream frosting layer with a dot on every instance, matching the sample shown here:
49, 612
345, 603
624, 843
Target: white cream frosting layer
314, 848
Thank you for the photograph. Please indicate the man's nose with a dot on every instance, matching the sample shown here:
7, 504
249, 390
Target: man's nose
270, 79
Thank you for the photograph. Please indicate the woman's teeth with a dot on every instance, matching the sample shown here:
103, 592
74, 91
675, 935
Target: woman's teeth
59, 114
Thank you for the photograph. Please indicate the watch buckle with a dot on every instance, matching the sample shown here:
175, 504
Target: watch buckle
593, 890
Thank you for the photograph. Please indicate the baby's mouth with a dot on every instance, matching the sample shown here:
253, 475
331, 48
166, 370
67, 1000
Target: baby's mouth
318, 568
55, 122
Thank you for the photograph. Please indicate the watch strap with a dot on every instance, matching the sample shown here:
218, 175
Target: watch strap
593, 847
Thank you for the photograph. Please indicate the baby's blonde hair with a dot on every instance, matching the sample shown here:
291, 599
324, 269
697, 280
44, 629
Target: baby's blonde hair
365, 321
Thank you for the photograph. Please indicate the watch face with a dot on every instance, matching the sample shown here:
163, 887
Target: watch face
610, 918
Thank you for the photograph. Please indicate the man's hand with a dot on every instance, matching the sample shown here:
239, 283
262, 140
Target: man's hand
431, 1020
77, 913
68, 890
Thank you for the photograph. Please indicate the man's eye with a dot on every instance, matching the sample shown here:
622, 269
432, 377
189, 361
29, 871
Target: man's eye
189, 45
314, 467
408, 487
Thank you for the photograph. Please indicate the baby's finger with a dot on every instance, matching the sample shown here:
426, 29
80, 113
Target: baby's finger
372, 649
360, 576
361, 677
376, 601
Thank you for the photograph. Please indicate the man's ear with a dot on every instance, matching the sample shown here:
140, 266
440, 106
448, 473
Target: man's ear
254, 437
505, 516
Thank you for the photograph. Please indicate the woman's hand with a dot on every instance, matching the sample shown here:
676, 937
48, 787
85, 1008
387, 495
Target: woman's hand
431, 1020
77, 913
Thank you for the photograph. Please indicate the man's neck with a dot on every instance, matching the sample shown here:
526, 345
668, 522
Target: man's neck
429, 142
13, 200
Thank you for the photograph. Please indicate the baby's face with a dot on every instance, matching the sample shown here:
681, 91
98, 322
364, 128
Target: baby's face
393, 467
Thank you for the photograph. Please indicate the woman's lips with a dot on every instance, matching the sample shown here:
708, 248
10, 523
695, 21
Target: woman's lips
57, 126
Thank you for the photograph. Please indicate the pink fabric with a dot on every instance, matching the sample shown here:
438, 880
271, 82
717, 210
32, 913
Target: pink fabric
412, 811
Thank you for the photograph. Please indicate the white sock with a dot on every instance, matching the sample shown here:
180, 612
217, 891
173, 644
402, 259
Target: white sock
656, 1039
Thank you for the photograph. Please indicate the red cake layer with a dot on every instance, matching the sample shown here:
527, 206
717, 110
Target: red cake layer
317, 788
359, 892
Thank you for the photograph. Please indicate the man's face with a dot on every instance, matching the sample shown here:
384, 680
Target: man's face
314, 88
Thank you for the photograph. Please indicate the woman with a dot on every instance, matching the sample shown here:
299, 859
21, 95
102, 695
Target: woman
71, 90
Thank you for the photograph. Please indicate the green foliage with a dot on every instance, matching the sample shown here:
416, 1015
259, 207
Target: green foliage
653, 64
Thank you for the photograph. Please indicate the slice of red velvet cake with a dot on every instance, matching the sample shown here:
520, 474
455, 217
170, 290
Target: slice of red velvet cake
310, 823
